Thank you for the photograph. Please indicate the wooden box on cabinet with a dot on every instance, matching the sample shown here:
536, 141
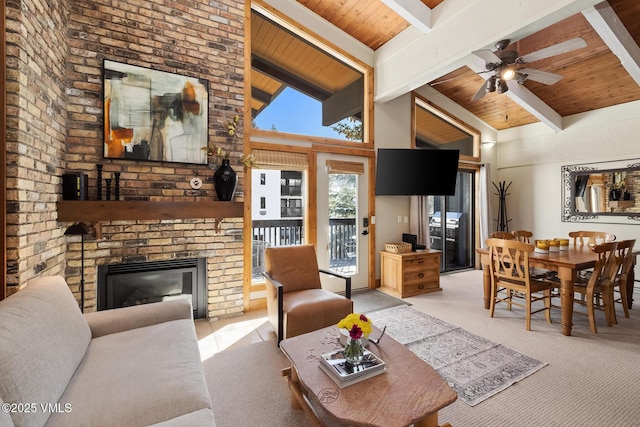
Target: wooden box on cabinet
407, 274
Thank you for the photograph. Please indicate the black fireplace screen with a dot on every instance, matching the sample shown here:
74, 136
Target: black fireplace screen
123, 285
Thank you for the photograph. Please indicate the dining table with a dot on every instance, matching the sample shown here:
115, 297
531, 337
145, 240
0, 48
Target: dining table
566, 263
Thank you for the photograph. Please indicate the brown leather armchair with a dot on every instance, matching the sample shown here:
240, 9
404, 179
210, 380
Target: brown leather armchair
296, 302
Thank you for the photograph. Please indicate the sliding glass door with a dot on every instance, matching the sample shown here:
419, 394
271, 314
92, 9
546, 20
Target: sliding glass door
451, 224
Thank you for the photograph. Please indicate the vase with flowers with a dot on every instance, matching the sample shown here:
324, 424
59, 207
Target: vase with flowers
618, 186
225, 179
358, 326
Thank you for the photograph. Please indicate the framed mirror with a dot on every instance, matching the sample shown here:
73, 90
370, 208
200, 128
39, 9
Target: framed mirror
605, 192
433, 128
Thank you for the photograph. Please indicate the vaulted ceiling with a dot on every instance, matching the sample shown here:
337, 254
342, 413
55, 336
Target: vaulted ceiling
604, 73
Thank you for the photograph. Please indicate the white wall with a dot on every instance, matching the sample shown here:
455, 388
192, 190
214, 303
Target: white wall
532, 157
392, 129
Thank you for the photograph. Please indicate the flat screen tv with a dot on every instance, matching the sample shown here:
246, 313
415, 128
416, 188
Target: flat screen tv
419, 172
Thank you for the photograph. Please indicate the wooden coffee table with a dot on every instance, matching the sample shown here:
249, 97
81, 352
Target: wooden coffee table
410, 392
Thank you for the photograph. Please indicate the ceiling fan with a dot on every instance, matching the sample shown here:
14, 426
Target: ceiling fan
508, 67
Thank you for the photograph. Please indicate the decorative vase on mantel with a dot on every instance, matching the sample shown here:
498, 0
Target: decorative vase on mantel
225, 180
615, 194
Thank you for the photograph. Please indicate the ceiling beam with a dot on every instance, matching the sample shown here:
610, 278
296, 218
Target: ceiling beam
287, 78
414, 12
530, 102
605, 21
262, 96
411, 59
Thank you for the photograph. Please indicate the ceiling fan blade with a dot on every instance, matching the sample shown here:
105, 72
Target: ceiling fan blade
556, 49
487, 56
540, 76
481, 91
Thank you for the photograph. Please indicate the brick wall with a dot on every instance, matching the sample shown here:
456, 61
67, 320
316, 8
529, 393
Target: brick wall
197, 38
631, 185
36, 131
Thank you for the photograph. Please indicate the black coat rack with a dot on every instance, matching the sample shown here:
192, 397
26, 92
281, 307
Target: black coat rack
503, 222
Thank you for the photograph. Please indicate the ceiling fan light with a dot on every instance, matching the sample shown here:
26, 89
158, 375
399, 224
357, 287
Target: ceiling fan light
521, 77
502, 87
491, 84
507, 73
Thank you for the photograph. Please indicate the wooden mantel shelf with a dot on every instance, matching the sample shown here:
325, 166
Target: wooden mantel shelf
104, 210
621, 204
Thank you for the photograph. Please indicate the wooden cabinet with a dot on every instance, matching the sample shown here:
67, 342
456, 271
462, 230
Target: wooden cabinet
407, 274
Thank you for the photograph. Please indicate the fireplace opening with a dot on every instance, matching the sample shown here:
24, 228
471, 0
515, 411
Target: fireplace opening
123, 285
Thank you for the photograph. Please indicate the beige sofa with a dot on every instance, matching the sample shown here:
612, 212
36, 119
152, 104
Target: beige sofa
134, 366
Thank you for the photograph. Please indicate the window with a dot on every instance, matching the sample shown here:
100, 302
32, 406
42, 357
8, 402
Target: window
291, 183
300, 88
281, 223
290, 208
436, 129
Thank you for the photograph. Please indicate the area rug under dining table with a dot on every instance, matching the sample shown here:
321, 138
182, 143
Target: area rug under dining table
474, 367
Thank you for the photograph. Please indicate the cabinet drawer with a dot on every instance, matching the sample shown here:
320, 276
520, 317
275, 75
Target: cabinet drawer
422, 263
420, 276
410, 289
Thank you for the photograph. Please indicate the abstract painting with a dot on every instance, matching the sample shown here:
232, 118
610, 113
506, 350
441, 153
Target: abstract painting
154, 115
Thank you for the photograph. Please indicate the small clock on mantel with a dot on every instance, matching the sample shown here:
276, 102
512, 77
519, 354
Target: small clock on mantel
196, 182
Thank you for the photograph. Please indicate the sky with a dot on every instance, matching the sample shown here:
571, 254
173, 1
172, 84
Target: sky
294, 112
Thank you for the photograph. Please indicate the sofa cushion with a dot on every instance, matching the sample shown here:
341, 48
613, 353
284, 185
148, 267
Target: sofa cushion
43, 338
137, 377
5, 418
201, 418
107, 322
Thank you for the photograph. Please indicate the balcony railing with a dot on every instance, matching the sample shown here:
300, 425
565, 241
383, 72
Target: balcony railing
283, 232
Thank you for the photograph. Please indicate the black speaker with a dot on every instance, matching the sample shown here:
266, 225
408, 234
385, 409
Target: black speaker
410, 238
74, 186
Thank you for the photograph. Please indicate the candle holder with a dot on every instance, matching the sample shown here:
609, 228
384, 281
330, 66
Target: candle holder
108, 183
117, 178
99, 166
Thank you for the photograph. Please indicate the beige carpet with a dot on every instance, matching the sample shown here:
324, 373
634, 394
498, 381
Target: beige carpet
590, 379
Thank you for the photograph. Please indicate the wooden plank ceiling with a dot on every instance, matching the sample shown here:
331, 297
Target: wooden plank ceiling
593, 77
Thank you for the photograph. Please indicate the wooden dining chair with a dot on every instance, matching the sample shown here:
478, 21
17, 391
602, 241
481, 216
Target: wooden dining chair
522, 235
595, 292
624, 260
509, 272
535, 273
501, 235
590, 237
583, 237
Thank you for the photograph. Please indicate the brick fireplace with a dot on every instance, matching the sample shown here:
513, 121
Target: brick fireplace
139, 242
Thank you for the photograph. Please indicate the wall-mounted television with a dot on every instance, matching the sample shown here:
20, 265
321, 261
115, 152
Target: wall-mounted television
419, 172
